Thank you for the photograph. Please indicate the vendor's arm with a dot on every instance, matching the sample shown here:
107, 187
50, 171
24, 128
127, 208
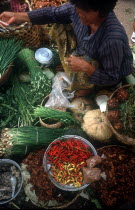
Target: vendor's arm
116, 62
46, 15
79, 64
62, 14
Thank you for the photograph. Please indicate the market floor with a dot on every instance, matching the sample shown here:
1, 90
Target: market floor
125, 11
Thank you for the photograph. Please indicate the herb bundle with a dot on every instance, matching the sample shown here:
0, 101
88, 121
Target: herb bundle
8, 52
127, 113
22, 97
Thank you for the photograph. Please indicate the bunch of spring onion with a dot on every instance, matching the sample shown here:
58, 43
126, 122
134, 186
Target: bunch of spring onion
48, 113
8, 52
39, 81
22, 140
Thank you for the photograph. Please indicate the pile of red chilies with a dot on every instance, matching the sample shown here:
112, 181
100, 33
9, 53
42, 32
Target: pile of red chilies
70, 150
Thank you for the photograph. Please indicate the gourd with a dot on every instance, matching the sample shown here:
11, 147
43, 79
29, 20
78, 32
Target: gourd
79, 106
96, 125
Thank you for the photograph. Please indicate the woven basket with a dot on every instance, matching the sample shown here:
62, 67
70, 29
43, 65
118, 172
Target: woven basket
29, 34
61, 206
6, 75
122, 138
36, 4
54, 124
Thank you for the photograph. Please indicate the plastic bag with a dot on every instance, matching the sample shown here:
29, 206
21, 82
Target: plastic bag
93, 161
91, 174
60, 95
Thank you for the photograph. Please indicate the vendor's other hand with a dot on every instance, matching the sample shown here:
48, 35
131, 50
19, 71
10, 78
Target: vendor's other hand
14, 18
79, 64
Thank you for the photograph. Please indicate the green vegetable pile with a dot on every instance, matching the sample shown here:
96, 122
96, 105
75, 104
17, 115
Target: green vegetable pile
127, 112
8, 52
19, 105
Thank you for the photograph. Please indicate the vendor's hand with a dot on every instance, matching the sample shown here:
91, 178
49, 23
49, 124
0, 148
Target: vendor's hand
79, 64
14, 18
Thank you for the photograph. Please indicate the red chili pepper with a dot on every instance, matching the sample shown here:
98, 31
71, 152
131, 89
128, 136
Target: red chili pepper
70, 150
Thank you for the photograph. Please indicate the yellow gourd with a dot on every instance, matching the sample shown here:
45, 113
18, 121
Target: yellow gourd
95, 124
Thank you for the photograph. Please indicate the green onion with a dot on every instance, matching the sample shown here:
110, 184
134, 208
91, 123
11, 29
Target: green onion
49, 113
8, 52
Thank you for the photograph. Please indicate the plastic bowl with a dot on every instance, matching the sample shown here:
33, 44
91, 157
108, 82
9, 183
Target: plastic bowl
8, 163
48, 166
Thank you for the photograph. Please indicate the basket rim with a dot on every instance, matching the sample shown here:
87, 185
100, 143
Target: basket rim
111, 145
62, 205
54, 125
123, 138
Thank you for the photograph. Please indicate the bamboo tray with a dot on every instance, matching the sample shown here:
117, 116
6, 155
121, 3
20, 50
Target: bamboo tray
121, 137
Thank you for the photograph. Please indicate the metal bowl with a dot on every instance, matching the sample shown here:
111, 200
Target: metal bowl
48, 166
44, 56
8, 163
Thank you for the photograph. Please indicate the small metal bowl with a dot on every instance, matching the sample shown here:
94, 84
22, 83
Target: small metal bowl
8, 163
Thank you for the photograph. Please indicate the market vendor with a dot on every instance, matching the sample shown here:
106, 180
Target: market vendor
100, 37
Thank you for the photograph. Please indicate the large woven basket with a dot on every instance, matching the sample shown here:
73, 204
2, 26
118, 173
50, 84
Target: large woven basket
31, 35
62, 206
6, 75
122, 138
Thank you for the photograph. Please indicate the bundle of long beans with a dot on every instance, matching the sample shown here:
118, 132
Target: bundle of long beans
22, 140
8, 52
49, 113
8, 109
39, 81
23, 99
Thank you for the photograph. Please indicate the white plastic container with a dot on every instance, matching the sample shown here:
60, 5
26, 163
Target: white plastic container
102, 102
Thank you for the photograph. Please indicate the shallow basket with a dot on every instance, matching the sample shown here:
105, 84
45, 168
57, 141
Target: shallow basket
6, 75
54, 123
60, 206
122, 138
